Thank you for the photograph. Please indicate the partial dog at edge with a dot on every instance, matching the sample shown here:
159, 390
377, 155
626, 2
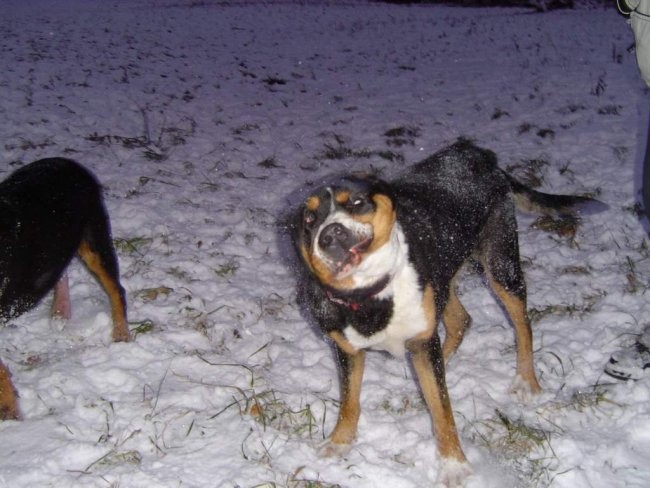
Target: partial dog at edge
382, 259
51, 210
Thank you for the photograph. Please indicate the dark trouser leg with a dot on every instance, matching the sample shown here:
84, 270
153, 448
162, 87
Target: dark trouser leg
645, 182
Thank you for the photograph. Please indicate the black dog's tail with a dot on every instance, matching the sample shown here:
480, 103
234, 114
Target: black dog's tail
530, 200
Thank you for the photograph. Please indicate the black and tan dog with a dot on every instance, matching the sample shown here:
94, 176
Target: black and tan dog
382, 258
51, 210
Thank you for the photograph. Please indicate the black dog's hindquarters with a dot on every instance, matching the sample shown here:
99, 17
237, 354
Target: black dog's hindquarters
50, 211
382, 258
468, 212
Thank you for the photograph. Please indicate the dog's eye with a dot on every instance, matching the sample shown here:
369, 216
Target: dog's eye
356, 202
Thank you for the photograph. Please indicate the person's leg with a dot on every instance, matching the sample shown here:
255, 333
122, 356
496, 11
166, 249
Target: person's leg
633, 362
645, 182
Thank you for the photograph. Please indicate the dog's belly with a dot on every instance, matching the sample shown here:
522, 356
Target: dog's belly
407, 321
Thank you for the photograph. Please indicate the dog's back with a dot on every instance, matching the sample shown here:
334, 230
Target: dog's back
444, 203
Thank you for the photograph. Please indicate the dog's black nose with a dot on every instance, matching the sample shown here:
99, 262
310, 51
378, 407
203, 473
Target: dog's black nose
335, 236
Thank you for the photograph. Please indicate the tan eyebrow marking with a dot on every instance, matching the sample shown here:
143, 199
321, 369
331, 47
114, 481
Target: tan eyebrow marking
312, 203
342, 196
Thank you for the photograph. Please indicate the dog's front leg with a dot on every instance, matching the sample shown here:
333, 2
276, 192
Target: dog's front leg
428, 363
351, 365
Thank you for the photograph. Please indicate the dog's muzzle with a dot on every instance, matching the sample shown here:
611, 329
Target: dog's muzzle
342, 246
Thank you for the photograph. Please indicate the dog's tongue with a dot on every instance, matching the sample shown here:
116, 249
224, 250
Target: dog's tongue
354, 256
360, 247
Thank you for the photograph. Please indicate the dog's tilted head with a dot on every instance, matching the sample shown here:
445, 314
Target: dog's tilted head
340, 225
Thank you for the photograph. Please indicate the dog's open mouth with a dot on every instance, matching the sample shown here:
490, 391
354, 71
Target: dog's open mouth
354, 256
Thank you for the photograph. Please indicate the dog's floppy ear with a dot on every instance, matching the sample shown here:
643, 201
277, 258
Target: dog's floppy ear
374, 183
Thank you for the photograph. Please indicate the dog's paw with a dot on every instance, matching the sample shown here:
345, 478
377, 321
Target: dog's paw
453, 473
58, 323
525, 391
121, 332
121, 336
327, 448
9, 412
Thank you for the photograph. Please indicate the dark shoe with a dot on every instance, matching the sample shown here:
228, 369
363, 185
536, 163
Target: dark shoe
632, 363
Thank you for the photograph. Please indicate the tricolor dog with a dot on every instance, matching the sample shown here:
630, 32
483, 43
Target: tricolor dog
51, 210
382, 258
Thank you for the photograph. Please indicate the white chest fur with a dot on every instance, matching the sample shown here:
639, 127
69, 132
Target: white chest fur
408, 318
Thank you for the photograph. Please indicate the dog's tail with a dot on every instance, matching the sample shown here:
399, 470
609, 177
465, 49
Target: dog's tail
533, 201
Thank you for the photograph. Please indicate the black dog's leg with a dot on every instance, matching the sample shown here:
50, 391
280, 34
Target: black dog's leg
500, 259
515, 306
428, 363
97, 252
351, 366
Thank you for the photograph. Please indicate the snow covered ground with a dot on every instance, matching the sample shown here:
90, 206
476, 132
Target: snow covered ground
202, 119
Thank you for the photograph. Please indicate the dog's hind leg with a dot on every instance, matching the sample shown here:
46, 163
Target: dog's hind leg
98, 254
500, 259
8, 404
456, 320
61, 308
516, 309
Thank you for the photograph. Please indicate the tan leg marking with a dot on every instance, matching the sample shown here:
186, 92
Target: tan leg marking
516, 309
118, 307
342, 342
456, 320
434, 389
346, 426
8, 403
429, 367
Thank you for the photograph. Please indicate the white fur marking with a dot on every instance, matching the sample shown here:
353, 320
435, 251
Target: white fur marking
408, 317
453, 473
327, 448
